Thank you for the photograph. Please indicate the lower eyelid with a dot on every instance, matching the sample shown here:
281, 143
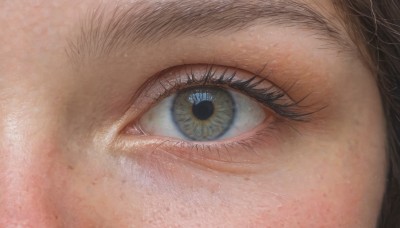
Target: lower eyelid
229, 158
242, 154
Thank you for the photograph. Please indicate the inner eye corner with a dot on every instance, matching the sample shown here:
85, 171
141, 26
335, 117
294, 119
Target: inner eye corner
133, 128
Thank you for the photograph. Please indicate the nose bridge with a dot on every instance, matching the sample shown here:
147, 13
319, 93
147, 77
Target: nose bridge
27, 155
31, 75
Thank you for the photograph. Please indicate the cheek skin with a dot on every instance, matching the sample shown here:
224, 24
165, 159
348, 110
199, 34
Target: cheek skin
331, 181
325, 182
311, 211
343, 188
93, 196
329, 192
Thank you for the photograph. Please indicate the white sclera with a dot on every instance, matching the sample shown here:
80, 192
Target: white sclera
158, 120
249, 115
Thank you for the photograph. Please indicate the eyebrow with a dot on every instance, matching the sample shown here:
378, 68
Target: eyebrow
104, 31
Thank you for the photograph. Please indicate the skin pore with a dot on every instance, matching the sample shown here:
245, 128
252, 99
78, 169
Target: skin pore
73, 155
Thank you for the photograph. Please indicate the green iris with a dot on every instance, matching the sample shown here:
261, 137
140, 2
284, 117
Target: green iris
203, 113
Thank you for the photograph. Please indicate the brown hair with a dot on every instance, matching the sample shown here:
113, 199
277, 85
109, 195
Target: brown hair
377, 24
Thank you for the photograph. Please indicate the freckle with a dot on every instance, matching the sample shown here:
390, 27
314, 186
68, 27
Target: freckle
247, 178
70, 167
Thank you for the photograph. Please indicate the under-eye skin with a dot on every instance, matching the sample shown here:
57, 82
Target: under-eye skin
201, 110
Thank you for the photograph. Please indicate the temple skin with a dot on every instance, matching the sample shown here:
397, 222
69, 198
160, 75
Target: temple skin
64, 161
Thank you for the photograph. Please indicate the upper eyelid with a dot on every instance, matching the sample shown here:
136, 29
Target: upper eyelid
208, 75
179, 78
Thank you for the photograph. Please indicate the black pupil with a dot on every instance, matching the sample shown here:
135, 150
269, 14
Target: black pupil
203, 110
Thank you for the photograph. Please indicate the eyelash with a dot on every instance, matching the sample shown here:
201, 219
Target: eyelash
269, 97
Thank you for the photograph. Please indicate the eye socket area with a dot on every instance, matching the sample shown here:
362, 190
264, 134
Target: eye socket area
204, 114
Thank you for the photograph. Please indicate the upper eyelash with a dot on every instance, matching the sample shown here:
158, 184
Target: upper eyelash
268, 97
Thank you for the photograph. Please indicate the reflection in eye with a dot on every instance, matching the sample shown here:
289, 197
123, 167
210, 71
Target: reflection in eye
203, 113
215, 103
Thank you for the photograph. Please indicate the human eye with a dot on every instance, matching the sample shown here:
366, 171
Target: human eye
203, 113
215, 103
197, 111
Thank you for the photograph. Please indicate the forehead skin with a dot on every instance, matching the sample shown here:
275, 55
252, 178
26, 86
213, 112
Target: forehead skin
58, 167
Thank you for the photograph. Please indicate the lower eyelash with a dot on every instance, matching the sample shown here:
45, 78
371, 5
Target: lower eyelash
216, 152
219, 151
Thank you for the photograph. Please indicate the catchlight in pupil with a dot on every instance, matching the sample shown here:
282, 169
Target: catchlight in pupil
203, 113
